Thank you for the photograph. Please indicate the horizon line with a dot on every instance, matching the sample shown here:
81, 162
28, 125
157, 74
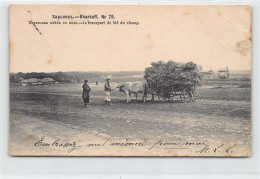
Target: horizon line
106, 71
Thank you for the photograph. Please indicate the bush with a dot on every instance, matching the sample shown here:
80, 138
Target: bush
165, 78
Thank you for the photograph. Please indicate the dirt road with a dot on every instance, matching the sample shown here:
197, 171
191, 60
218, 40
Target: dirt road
217, 123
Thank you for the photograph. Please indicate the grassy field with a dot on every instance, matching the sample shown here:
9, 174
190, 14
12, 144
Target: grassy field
221, 114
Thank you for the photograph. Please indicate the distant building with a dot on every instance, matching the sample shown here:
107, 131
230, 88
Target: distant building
73, 80
31, 81
47, 80
208, 74
223, 73
36, 81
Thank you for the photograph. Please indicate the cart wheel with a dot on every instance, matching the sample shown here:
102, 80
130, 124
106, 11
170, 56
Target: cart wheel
171, 98
186, 96
164, 99
182, 97
161, 98
194, 95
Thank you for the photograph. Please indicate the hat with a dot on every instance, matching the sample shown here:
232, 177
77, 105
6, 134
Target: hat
85, 80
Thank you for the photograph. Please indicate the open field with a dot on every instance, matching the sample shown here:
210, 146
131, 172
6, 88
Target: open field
221, 115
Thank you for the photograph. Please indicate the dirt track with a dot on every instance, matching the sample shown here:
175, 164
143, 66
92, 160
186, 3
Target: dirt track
214, 121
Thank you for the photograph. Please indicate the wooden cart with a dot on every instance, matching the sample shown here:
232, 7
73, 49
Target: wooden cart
186, 92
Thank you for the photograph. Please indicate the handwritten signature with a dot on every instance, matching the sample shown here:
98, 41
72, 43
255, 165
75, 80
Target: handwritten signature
174, 144
221, 148
56, 144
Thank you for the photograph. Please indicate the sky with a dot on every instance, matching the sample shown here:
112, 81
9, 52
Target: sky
211, 36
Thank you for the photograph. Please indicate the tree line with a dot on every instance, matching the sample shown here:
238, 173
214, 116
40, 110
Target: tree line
71, 76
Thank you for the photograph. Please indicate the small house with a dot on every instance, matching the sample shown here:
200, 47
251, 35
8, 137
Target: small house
47, 80
208, 74
36, 81
31, 81
223, 73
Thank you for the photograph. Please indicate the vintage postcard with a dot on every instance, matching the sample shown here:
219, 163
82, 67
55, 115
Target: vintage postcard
130, 80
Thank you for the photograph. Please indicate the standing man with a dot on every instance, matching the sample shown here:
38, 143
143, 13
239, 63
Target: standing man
108, 90
85, 93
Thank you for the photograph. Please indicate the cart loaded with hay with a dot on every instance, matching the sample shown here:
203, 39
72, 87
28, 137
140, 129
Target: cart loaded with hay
170, 80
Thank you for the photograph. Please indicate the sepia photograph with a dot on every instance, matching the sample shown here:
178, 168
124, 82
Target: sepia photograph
130, 80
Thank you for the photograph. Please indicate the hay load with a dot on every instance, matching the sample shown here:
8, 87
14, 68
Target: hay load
167, 78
